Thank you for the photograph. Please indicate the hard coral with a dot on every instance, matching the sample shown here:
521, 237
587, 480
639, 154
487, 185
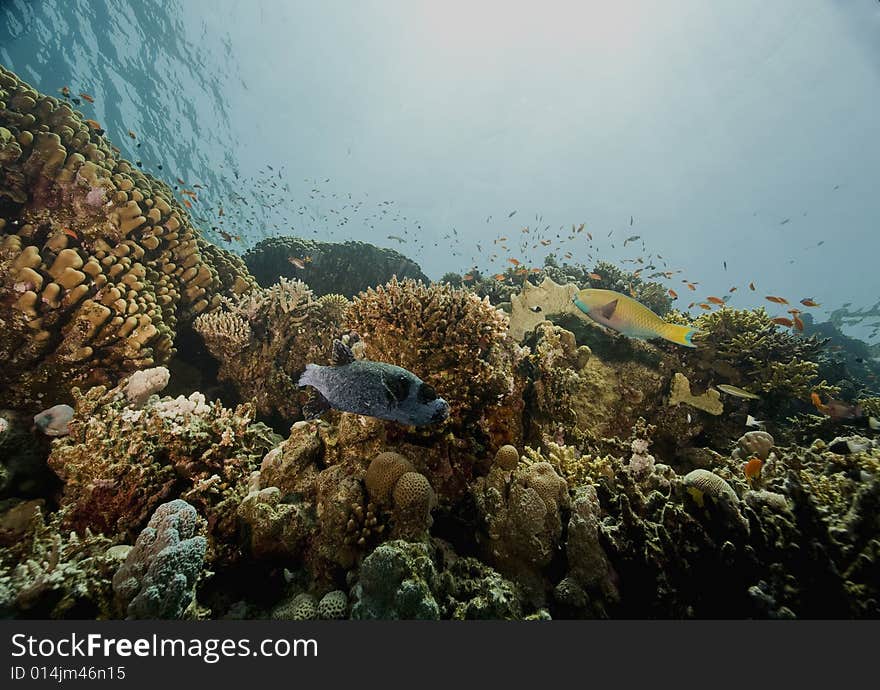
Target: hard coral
264, 339
455, 342
158, 577
118, 464
98, 262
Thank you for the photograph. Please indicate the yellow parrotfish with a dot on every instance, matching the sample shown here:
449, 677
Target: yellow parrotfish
627, 316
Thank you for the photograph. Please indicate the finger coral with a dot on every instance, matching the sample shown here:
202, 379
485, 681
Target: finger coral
98, 262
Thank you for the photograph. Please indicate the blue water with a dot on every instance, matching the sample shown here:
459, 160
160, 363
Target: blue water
740, 141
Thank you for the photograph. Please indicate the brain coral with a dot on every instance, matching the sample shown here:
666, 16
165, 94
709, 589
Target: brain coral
453, 340
98, 262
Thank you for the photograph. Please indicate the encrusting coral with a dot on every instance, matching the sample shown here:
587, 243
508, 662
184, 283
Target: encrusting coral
98, 261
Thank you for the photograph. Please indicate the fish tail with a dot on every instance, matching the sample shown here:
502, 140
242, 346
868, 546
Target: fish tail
308, 376
682, 335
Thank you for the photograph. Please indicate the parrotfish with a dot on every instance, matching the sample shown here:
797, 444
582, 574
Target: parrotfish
54, 421
627, 316
372, 389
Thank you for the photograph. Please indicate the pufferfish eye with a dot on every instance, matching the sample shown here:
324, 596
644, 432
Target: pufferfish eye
426, 394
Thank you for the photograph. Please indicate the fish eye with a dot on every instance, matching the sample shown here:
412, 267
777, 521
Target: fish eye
426, 394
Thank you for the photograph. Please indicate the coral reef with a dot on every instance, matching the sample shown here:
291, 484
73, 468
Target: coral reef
344, 268
453, 341
98, 261
119, 463
264, 339
159, 574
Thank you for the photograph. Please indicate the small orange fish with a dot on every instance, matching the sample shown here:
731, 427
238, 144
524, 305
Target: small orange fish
546, 242
93, 124
752, 469
65, 91
776, 300
86, 97
132, 134
715, 300
691, 305
498, 276
299, 263
536, 270
703, 305
798, 322
187, 203
733, 289
502, 239
190, 193
594, 276
581, 228
226, 236
692, 287
515, 262
783, 321
752, 287
673, 294
220, 212
590, 236
467, 277
568, 255
70, 233
810, 303
179, 181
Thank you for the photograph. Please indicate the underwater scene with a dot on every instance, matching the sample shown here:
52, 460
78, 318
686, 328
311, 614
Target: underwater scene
439, 310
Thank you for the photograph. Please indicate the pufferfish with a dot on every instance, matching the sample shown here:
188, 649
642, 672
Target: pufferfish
372, 389
629, 317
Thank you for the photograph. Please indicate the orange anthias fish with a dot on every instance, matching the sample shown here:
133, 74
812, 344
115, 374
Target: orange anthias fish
515, 262
93, 124
627, 316
498, 276
299, 263
752, 469
65, 91
132, 134
705, 306
776, 300
673, 294
810, 303
594, 276
837, 409
752, 287
87, 97
715, 300
70, 233
783, 321
798, 322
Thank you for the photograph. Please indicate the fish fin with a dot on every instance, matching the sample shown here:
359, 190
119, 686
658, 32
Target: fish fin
315, 406
607, 310
307, 376
342, 353
681, 335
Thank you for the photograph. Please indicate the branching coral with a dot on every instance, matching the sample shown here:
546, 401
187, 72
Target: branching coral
750, 350
264, 339
452, 340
